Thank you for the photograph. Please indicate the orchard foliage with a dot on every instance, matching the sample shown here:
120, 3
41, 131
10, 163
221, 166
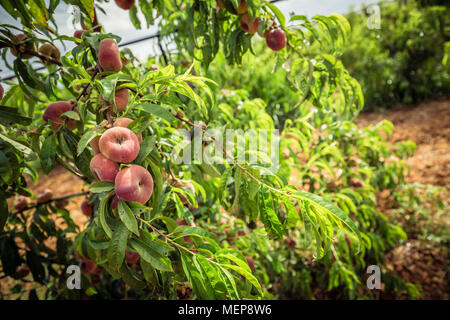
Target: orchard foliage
225, 231
404, 61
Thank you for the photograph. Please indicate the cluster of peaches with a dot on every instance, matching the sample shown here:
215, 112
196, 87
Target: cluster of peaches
275, 37
117, 147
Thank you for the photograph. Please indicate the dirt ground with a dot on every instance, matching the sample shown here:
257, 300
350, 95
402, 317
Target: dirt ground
428, 125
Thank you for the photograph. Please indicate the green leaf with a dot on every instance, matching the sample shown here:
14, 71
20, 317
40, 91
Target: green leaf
10, 115
247, 275
101, 186
48, 153
155, 109
154, 258
146, 147
291, 213
278, 13
268, 216
127, 217
103, 211
117, 246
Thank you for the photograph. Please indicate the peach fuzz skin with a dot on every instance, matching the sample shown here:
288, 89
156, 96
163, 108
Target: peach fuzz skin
109, 56
124, 122
54, 110
103, 169
134, 184
119, 144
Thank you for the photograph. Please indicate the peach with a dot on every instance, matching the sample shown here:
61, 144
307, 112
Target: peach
44, 196
50, 51
119, 144
242, 8
121, 98
2, 92
134, 184
125, 4
54, 111
131, 257
62, 204
88, 267
86, 208
248, 24
124, 122
22, 272
78, 34
109, 56
21, 203
115, 203
94, 144
154, 67
250, 263
103, 169
23, 45
276, 39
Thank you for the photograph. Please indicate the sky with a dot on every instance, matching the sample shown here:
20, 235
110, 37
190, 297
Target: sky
118, 22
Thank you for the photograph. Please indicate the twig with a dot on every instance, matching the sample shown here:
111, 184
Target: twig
88, 84
73, 195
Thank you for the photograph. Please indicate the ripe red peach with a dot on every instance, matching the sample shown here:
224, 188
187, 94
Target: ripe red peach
248, 24
78, 33
276, 39
131, 257
86, 208
50, 51
154, 67
44, 196
21, 203
125, 4
109, 56
22, 272
250, 263
134, 184
103, 169
2, 92
119, 144
54, 111
124, 122
121, 98
88, 267
23, 45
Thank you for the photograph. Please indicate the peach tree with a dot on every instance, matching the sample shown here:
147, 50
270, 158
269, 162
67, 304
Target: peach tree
110, 120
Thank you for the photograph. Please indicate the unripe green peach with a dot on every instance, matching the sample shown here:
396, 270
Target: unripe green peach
109, 56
